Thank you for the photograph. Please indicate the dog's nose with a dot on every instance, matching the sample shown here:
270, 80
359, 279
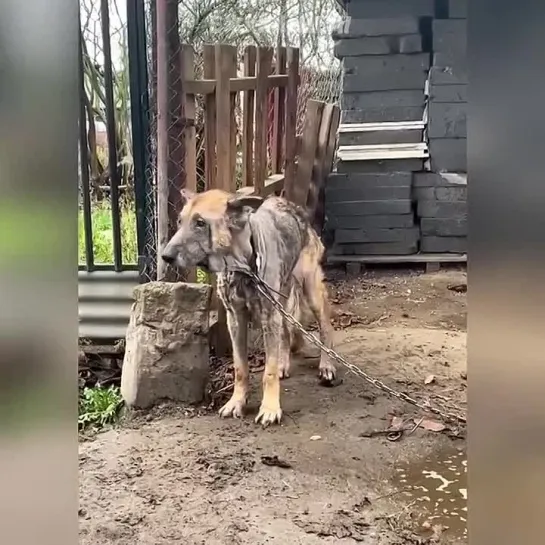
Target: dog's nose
168, 258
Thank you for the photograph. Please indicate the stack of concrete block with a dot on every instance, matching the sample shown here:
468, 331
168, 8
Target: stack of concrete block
385, 68
371, 214
447, 90
441, 209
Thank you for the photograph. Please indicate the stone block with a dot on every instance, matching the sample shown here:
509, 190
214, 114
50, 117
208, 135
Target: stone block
454, 245
379, 66
398, 221
390, 8
366, 193
457, 9
441, 194
398, 136
356, 236
450, 36
376, 179
447, 75
386, 165
456, 227
370, 208
410, 44
448, 93
376, 248
447, 120
382, 115
167, 346
435, 179
448, 154
360, 28
446, 210
382, 99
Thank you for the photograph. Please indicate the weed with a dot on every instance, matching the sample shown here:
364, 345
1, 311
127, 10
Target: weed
99, 406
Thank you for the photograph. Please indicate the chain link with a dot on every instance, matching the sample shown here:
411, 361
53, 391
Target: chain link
265, 290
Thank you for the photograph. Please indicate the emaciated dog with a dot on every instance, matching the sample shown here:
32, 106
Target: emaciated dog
229, 234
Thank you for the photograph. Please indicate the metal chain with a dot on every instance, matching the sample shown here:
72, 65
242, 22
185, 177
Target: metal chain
265, 290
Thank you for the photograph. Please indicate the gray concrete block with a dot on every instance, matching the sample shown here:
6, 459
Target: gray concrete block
374, 45
447, 120
450, 36
388, 165
454, 245
378, 66
405, 136
360, 28
384, 248
447, 75
434, 179
382, 115
369, 208
387, 179
448, 93
410, 44
447, 210
371, 222
459, 63
441, 194
365, 193
391, 8
382, 99
448, 154
444, 227
457, 9
353, 236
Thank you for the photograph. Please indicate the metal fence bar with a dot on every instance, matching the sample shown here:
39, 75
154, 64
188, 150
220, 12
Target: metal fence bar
84, 164
138, 81
111, 133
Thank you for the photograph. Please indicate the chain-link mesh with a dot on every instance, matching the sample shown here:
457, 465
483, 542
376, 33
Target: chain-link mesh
306, 24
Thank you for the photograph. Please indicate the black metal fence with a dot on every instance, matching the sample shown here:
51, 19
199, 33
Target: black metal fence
113, 144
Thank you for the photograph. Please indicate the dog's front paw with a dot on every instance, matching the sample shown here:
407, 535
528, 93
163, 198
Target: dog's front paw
234, 407
269, 415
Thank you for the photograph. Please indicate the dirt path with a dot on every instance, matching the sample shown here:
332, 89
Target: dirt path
177, 476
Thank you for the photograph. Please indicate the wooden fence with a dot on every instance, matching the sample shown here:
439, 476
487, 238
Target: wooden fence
269, 157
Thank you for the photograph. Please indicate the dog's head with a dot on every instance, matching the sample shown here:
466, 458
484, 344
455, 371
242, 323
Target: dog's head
211, 227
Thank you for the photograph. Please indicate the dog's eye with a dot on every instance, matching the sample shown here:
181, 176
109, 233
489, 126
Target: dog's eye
200, 223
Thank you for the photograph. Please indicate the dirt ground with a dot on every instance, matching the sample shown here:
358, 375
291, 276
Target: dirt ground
181, 475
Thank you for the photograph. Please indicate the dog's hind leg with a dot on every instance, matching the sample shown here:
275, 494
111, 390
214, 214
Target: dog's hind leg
316, 295
237, 323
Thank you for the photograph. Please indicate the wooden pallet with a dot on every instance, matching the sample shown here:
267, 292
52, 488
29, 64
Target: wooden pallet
433, 262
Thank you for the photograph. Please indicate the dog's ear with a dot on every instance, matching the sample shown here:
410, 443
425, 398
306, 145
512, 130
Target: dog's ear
187, 195
240, 207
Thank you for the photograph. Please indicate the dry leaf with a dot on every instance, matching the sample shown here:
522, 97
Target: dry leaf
429, 379
315, 437
432, 425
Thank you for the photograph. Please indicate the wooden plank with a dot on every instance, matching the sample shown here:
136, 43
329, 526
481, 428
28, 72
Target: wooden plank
297, 191
233, 122
209, 56
393, 259
290, 142
224, 55
187, 57
207, 85
248, 119
277, 151
273, 184
264, 63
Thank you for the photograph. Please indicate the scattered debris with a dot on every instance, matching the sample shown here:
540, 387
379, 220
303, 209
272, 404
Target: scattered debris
429, 379
458, 288
463, 375
432, 425
274, 461
341, 524
315, 437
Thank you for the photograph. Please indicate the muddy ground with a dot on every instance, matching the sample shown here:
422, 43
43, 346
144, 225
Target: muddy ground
179, 475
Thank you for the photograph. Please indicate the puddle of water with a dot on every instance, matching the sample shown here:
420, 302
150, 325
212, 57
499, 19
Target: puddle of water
438, 488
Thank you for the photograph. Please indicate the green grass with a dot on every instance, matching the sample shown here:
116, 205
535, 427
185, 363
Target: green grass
99, 406
103, 246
